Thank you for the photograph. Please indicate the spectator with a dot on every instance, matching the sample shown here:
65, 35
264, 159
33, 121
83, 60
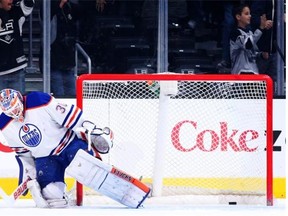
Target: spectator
266, 44
243, 47
12, 59
63, 38
227, 25
224, 66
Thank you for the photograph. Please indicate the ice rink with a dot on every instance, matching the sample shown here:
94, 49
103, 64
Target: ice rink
27, 207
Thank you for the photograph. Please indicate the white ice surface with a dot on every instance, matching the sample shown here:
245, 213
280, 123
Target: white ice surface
27, 207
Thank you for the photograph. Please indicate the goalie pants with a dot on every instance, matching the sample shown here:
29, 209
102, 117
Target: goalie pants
52, 168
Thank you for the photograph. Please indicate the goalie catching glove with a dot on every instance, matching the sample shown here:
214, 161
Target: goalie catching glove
101, 138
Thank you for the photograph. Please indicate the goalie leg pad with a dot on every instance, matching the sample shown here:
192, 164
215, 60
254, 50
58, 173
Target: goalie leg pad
58, 203
131, 194
51, 200
85, 170
54, 190
107, 180
54, 195
35, 190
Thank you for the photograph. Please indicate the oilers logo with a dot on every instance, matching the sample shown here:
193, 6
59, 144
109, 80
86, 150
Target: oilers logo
30, 135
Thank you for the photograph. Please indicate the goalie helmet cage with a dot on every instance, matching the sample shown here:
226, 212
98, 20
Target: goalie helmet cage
186, 134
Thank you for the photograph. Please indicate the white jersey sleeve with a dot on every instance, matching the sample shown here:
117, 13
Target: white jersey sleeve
66, 115
48, 126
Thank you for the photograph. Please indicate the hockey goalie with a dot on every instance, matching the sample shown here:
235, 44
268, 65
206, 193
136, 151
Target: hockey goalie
52, 138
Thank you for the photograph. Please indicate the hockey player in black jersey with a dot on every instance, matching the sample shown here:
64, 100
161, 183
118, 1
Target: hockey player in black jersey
12, 59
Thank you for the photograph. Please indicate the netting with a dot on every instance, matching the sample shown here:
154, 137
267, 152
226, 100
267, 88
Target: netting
213, 133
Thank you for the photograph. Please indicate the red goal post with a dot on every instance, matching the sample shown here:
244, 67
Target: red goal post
187, 134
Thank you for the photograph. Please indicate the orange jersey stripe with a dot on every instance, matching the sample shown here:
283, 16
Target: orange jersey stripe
72, 118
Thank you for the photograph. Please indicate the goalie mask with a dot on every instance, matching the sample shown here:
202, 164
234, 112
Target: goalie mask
11, 103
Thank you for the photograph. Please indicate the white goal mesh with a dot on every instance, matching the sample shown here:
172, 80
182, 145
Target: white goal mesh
186, 134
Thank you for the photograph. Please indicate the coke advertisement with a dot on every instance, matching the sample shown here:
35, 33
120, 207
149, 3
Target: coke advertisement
226, 141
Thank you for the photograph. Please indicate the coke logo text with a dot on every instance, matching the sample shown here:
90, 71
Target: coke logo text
227, 138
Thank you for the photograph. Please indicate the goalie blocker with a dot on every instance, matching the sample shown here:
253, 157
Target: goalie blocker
107, 180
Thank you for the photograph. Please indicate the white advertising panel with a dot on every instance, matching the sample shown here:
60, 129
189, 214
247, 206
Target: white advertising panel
225, 138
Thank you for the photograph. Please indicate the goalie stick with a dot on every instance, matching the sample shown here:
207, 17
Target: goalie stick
20, 190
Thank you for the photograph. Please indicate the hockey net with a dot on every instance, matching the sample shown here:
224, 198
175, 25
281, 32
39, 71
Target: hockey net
186, 135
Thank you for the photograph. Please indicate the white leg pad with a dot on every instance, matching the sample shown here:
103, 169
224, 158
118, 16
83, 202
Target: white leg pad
54, 190
54, 195
35, 191
50, 201
58, 203
123, 191
107, 180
